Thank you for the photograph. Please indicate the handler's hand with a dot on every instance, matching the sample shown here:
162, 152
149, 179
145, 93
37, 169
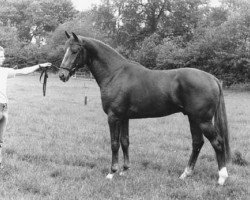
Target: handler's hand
44, 65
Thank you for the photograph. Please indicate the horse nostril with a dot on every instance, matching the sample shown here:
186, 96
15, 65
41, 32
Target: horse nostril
61, 75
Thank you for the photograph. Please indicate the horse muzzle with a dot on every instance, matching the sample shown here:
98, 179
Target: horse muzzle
64, 75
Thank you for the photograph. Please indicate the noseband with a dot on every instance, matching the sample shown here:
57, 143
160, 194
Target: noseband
71, 70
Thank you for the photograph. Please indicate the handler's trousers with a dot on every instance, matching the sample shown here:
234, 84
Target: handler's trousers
3, 123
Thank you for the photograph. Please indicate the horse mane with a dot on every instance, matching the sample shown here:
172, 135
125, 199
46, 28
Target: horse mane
93, 45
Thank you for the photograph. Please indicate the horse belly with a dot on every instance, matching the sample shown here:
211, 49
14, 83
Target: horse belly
155, 108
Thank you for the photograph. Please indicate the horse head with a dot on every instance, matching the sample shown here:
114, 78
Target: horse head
75, 57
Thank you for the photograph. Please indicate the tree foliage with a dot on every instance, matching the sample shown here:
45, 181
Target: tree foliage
160, 34
35, 18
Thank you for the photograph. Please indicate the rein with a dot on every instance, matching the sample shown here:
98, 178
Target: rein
45, 74
71, 71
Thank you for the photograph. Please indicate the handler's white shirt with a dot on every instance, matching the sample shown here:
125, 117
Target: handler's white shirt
4, 74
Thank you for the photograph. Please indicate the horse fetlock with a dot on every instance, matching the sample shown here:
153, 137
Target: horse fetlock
187, 172
223, 175
114, 168
126, 167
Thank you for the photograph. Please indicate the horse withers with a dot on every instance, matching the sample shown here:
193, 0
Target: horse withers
130, 91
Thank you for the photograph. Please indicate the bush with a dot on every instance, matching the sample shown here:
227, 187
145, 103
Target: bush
147, 54
28, 55
170, 54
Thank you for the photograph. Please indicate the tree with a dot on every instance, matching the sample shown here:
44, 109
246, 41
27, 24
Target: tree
35, 18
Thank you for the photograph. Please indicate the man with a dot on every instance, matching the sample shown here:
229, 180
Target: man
6, 73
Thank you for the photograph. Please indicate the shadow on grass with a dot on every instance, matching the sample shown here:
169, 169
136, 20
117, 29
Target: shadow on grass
42, 158
222, 193
209, 158
33, 187
56, 173
7, 172
150, 165
34, 158
79, 163
238, 159
69, 175
9, 152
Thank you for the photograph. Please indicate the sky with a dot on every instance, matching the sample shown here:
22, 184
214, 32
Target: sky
83, 5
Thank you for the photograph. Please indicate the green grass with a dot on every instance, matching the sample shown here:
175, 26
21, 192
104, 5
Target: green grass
58, 148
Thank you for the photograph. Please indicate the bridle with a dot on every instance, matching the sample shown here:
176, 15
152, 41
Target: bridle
78, 63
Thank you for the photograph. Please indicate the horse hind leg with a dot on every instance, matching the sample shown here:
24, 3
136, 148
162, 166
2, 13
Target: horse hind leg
197, 143
217, 142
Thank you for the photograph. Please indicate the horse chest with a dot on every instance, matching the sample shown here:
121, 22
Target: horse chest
113, 103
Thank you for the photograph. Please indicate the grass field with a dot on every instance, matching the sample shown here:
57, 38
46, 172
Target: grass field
58, 148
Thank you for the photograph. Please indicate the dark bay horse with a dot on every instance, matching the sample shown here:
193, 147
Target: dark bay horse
129, 91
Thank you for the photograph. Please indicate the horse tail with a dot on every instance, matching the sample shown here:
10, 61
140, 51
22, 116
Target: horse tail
221, 124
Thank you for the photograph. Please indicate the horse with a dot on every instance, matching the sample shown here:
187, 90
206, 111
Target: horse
132, 91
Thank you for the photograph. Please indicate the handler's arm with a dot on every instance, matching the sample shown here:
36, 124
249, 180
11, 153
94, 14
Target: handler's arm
28, 70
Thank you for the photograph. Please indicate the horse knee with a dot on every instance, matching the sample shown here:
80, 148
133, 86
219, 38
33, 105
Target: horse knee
115, 145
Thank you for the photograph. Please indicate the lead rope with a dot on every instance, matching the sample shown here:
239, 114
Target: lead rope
45, 73
46, 76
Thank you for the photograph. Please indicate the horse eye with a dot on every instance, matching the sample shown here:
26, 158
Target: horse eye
74, 52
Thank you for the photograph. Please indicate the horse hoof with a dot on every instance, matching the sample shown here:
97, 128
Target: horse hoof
122, 173
187, 172
183, 176
110, 176
221, 181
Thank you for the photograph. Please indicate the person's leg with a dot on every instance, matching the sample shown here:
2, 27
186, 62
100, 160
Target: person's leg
3, 123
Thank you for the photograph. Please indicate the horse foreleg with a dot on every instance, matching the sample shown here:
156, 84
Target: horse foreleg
125, 144
115, 127
197, 143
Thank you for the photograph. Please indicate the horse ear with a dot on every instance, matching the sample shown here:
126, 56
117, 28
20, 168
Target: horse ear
68, 36
75, 36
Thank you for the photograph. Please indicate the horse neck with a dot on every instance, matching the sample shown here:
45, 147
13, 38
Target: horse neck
105, 64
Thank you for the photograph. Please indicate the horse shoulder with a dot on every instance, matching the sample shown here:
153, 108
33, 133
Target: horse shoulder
114, 93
